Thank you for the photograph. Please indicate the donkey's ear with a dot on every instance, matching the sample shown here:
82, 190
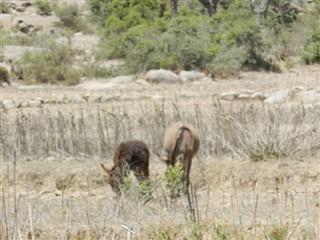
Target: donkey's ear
107, 170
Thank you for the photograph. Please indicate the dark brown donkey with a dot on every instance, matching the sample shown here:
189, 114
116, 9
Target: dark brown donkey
181, 143
129, 155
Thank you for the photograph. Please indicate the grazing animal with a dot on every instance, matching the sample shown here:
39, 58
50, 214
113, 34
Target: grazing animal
130, 155
181, 143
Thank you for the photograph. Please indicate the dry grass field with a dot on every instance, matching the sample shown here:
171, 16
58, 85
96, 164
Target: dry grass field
256, 176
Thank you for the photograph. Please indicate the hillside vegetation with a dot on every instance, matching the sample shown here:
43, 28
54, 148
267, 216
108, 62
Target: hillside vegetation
148, 36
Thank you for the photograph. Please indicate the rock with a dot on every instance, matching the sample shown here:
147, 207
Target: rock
121, 80
229, 96
61, 99
24, 104
190, 76
9, 104
58, 192
280, 96
94, 99
142, 82
310, 97
34, 103
244, 96
100, 85
105, 99
259, 96
162, 76
156, 97
77, 99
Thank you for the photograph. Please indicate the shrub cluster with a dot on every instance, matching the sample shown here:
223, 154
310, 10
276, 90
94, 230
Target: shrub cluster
44, 7
233, 39
51, 63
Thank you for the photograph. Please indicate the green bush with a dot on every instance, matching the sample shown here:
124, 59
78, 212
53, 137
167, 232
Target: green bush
69, 16
232, 40
44, 7
311, 50
4, 75
4, 8
51, 64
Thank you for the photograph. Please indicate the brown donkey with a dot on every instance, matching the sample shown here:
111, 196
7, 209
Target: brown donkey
130, 155
181, 143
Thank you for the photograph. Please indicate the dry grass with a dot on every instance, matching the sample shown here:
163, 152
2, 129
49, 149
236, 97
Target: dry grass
256, 176
60, 150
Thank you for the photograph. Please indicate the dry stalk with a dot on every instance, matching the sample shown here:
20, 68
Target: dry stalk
4, 212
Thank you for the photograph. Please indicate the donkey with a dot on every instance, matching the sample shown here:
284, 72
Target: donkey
181, 143
130, 155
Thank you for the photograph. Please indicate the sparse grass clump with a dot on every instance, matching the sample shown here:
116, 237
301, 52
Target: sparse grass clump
277, 232
70, 17
44, 7
4, 8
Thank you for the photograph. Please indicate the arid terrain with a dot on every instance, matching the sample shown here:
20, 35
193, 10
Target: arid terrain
58, 190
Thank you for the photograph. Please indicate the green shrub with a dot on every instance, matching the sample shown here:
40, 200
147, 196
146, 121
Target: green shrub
44, 7
4, 8
99, 11
311, 50
4, 75
51, 64
69, 16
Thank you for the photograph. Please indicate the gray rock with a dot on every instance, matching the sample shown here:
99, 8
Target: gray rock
244, 96
77, 99
9, 104
190, 76
94, 99
229, 96
34, 103
310, 96
142, 82
162, 76
280, 96
259, 96
24, 104
105, 99
121, 80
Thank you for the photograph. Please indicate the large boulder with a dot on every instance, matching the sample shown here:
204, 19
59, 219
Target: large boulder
162, 76
310, 96
280, 96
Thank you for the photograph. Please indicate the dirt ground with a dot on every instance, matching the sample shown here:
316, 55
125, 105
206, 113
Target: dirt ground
62, 196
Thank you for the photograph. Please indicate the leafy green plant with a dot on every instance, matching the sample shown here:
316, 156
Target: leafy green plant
311, 51
174, 178
44, 7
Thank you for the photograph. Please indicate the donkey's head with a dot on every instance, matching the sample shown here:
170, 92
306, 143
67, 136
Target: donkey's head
115, 179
